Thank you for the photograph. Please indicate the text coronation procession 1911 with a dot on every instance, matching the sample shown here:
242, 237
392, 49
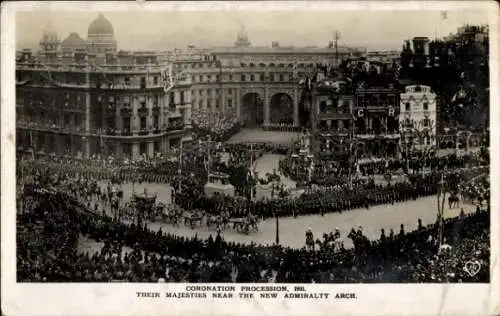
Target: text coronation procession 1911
81, 97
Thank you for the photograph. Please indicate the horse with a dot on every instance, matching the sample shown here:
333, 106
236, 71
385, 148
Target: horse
360, 241
213, 220
310, 240
172, 216
193, 219
252, 224
453, 201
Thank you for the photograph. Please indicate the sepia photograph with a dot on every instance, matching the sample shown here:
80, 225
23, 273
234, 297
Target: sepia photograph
250, 154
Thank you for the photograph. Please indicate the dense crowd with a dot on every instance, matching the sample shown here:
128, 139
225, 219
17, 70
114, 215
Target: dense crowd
48, 252
219, 126
327, 172
335, 198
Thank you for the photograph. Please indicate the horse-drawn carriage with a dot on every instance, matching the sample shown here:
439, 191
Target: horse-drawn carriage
245, 225
144, 206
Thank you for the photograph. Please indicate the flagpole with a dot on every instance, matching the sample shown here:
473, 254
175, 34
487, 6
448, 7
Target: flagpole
179, 171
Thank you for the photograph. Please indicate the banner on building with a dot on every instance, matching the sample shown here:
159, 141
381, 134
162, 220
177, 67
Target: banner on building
167, 78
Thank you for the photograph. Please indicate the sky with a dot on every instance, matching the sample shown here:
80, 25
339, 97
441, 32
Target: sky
150, 30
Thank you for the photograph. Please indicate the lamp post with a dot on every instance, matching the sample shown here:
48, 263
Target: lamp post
274, 187
441, 198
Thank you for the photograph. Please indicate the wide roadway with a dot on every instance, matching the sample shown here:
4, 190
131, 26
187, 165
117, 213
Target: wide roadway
292, 230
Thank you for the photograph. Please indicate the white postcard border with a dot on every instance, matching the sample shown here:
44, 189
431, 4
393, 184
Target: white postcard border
120, 299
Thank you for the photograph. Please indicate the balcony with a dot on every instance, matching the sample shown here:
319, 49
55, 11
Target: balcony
112, 132
156, 109
126, 132
111, 109
143, 131
126, 111
143, 111
175, 126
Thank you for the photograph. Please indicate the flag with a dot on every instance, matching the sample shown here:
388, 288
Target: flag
294, 72
444, 15
167, 78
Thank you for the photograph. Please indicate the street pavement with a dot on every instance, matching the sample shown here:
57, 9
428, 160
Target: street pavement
292, 230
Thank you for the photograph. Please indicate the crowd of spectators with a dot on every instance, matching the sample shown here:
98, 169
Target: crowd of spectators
327, 172
219, 126
334, 198
48, 252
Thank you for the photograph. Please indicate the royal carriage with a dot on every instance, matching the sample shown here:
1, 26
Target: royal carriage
144, 205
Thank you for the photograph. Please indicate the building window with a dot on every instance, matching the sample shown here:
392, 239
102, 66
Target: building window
242, 77
171, 99
217, 77
209, 92
182, 97
407, 107
156, 121
209, 104
217, 104
282, 78
155, 80
229, 91
143, 123
426, 122
127, 80
143, 148
229, 103
126, 124
426, 106
230, 77
322, 106
262, 77
408, 123
156, 147
252, 78
127, 150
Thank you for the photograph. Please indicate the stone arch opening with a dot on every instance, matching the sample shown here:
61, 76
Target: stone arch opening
252, 109
281, 109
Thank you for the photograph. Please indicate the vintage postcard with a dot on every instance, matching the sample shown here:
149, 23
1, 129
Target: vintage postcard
234, 158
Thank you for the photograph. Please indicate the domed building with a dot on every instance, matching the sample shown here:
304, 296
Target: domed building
101, 37
72, 43
242, 39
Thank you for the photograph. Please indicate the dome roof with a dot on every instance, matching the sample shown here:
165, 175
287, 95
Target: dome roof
100, 26
49, 29
74, 40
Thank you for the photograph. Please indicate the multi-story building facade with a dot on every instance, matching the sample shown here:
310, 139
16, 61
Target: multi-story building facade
258, 84
418, 118
89, 100
332, 117
376, 121
85, 97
